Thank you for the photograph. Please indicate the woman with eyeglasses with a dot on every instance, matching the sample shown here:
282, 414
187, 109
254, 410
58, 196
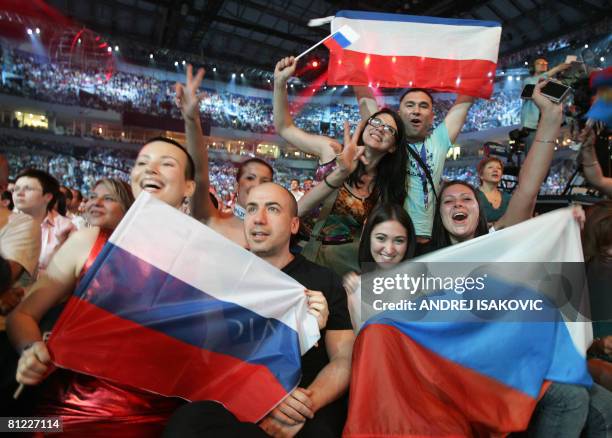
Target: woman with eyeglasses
369, 168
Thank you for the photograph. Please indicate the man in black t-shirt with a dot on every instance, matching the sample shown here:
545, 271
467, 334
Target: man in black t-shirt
317, 408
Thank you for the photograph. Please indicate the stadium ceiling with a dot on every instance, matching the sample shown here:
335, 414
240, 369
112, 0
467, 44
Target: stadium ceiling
254, 34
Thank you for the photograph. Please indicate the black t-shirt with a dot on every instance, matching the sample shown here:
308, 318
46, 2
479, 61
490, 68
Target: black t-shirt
319, 278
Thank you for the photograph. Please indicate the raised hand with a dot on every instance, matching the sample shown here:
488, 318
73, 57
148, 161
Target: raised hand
348, 158
187, 97
545, 105
285, 68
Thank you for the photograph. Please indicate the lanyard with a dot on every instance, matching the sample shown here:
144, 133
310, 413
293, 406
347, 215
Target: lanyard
422, 175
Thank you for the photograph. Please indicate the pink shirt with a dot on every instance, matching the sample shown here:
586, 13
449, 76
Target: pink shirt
55, 229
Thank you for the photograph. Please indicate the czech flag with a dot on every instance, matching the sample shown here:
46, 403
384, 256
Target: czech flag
463, 375
399, 51
172, 307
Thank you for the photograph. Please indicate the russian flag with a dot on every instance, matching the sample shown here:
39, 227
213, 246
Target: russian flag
172, 307
341, 39
398, 51
420, 375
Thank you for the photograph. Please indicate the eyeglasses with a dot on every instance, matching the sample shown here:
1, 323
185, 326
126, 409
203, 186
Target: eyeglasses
26, 189
375, 122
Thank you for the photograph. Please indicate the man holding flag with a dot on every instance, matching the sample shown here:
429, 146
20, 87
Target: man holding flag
317, 408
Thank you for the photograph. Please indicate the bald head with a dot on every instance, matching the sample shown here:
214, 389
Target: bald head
277, 193
270, 221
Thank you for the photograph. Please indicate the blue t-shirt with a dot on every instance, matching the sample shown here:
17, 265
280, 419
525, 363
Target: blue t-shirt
530, 113
420, 202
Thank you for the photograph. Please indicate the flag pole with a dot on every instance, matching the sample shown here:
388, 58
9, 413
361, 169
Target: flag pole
315, 46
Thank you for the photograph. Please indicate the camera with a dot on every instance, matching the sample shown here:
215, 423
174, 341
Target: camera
553, 90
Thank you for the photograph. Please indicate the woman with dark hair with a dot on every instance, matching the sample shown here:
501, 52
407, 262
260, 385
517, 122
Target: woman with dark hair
388, 238
460, 217
370, 168
597, 247
493, 200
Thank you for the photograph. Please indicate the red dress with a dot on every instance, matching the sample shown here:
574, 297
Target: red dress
93, 407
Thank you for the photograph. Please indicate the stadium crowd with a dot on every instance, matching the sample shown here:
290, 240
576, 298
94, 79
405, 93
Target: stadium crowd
26, 75
382, 197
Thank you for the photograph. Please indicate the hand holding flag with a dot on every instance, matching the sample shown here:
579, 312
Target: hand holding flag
285, 68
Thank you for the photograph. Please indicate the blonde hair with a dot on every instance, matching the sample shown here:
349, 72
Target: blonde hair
120, 189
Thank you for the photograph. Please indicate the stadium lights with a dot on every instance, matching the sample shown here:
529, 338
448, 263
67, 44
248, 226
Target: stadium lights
214, 69
510, 78
602, 59
586, 46
526, 63
291, 85
109, 49
150, 56
233, 75
37, 31
269, 81
345, 87
183, 62
29, 31
116, 48
176, 63
315, 64
242, 75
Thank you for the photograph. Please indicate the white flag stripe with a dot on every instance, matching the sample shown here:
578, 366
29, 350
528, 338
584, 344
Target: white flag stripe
349, 33
552, 237
441, 41
190, 251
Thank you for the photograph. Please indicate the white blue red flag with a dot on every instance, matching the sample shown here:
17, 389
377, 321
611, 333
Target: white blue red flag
399, 51
468, 371
172, 307
341, 39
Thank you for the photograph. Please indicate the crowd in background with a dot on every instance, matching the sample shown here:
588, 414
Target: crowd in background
75, 168
25, 75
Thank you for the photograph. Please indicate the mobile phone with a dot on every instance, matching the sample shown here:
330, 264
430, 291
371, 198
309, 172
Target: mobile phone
527, 91
555, 91
571, 58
